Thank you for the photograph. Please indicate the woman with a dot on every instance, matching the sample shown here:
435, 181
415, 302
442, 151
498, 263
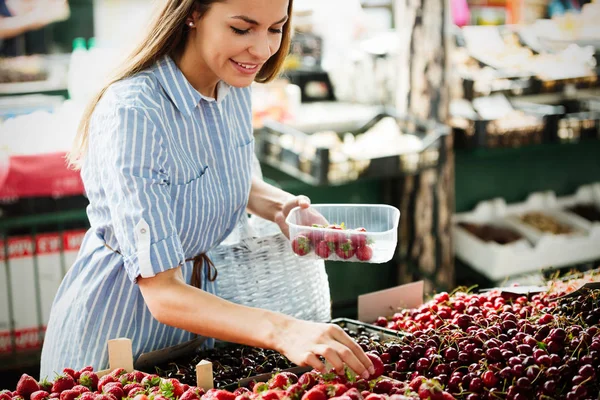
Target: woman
168, 174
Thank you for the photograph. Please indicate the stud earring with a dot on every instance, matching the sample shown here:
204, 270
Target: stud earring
191, 24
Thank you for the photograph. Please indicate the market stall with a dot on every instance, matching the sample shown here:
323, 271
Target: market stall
459, 176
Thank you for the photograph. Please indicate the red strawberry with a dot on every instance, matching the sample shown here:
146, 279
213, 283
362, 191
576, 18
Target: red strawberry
107, 397
126, 378
105, 380
334, 237
430, 390
315, 236
118, 372
130, 386
150, 381
416, 382
69, 394
45, 385
314, 394
375, 396
301, 245
81, 389
17, 397
447, 396
140, 397
291, 377
87, 396
345, 250
54, 395
383, 386
271, 394
222, 395
189, 394
114, 388
359, 239
365, 394
138, 376
89, 368
160, 397
154, 390
241, 390
364, 253
89, 379
62, 383
38, 395
279, 381
336, 390
308, 380
243, 396
260, 387
185, 387
324, 249
70, 372
176, 387
26, 386
134, 391
295, 391
353, 394
5, 395
377, 365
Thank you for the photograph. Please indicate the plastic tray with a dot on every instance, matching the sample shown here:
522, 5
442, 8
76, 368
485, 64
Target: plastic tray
380, 222
541, 250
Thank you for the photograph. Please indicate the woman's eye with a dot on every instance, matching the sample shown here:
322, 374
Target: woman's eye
239, 31
274, 30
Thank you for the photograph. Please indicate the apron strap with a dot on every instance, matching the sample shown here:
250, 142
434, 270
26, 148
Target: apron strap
199, 261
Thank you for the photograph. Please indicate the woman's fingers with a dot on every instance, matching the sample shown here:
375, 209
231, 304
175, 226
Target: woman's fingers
331, 355
356, 351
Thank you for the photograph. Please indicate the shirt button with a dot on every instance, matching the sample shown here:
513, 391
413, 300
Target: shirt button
143, 230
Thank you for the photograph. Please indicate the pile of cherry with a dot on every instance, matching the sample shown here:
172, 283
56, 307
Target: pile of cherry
118, 385
486, 346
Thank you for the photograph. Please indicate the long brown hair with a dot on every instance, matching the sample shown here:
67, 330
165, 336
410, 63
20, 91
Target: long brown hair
166, 35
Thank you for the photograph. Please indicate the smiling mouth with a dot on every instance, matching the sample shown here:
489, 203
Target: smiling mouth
247, 66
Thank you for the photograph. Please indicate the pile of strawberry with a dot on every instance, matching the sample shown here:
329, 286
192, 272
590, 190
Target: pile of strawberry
85, 385
118, 385
330, 240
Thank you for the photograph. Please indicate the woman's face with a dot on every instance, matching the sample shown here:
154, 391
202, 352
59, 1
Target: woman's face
234, 38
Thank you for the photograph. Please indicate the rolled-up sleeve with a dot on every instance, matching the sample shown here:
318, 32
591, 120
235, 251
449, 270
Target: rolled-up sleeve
138, 194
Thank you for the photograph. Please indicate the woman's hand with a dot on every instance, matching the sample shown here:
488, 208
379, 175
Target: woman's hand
308, 216
302, 342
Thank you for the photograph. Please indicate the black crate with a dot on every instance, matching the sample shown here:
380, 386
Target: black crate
320, 170
481, 133
568, 120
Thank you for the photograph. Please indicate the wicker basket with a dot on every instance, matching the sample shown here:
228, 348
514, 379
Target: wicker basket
257, 268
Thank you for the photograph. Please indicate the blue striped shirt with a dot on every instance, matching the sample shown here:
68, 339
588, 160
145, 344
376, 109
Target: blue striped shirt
168, 175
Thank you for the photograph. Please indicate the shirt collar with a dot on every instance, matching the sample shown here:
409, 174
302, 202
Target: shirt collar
185, 97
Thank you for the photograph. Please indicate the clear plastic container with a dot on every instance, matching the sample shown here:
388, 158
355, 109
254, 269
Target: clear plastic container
345, 232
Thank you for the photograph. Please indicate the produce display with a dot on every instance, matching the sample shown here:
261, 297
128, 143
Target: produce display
118, 384
334, 240
491, 233
545, 223
230, 364
487, 346
490, 346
